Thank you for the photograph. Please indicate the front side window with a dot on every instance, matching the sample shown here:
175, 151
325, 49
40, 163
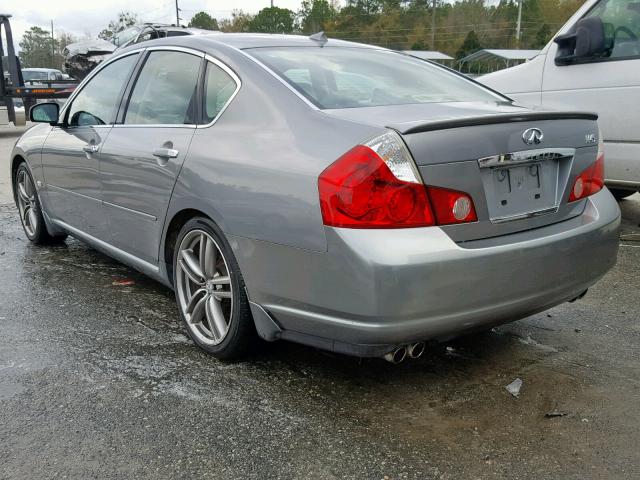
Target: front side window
621, 20
97, 102
348, 77
219, 88
165, 92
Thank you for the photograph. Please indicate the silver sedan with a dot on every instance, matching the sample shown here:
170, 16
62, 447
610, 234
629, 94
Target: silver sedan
329, 193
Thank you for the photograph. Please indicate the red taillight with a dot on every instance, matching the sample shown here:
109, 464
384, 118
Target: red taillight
590, 181
359, 191
377, 186
451, 206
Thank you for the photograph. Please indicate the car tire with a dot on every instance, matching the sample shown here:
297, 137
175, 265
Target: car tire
210, 291
620, 194
30, 209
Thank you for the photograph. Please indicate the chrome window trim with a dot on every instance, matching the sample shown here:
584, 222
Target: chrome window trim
88, 78
277, 77
197, 53
234, 77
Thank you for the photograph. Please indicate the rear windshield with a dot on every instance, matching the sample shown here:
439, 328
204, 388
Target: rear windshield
344, 77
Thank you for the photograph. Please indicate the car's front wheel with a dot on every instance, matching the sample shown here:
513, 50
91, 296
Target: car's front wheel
210, 291
30, 209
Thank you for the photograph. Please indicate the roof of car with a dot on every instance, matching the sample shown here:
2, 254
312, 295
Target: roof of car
254, 40
246, 40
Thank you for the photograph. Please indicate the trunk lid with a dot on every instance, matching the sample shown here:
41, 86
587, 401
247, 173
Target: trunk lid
517, 181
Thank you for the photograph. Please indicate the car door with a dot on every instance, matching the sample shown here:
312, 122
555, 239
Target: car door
144, 152
71, 152
608, 85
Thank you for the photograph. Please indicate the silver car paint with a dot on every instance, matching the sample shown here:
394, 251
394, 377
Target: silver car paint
254, 172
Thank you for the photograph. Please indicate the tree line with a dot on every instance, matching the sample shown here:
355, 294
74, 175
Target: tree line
457, 29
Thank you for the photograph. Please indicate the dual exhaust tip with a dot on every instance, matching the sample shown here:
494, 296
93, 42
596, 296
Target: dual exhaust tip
399, 354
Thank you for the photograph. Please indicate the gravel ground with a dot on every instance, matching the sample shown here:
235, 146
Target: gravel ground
99, 381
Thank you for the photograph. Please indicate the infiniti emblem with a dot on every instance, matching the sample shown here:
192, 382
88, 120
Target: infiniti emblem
532, 136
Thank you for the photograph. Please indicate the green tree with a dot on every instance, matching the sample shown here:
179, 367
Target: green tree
37, 49
542, 36
273, 20
471, 44
314, 15
203, 20
124, 21
239, 22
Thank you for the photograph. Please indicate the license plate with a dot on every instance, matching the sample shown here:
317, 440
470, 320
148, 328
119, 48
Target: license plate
520, 190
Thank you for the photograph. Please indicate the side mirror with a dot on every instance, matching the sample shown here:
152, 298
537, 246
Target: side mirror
45, 112
586, 40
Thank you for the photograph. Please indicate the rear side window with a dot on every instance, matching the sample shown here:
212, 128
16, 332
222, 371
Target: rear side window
347, 77
165, 92
219, 88
97, 102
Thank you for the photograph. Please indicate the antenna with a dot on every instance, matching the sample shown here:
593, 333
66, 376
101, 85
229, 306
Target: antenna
319, 37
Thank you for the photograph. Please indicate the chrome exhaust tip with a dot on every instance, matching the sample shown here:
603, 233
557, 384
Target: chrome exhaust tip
415, 350
396, 356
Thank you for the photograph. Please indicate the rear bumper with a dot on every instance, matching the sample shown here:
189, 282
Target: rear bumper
376, 289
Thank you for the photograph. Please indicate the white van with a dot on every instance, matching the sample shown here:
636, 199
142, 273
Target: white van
592, 64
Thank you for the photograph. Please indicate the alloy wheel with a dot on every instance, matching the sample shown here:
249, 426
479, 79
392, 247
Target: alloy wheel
204, 288
27, 202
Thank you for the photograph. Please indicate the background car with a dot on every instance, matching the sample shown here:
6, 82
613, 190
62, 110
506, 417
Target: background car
592, 64
282, 196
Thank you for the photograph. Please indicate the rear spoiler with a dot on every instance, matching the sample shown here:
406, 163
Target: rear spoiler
420, 127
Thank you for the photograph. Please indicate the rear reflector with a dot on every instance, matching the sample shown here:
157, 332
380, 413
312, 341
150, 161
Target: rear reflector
376, 185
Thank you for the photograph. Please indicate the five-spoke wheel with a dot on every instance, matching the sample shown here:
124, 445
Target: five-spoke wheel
204, 287
30, 210
26, 196
210, 290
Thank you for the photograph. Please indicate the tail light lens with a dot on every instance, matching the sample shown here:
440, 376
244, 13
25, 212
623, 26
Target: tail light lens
591, 180
451, 206
376, 185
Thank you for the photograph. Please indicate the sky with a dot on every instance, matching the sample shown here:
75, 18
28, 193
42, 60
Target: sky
88, 17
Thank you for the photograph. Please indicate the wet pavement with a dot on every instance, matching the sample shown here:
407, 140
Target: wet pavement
98, 380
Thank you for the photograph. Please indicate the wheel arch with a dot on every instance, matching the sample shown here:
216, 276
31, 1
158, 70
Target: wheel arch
171, 235
16, 160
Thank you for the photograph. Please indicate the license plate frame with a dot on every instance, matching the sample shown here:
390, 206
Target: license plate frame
523, 184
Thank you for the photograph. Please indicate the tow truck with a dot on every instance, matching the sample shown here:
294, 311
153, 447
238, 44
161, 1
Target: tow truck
13, 90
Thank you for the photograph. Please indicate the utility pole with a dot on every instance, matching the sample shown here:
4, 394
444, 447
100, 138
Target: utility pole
433, 26
271, 3
519, 23
177, 15
53, 47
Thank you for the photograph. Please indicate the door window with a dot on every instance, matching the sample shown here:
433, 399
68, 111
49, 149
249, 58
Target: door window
97, 103
621, 19
219, 88
165, 91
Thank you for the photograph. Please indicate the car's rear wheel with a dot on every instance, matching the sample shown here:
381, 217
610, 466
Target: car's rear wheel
210, 291
30, 209
621, 194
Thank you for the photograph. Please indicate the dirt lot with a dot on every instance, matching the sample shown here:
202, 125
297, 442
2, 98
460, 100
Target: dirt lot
99, 381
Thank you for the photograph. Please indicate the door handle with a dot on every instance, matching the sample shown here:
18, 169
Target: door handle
165, 153
91, 148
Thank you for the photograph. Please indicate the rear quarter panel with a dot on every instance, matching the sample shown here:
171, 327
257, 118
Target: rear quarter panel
255, 171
